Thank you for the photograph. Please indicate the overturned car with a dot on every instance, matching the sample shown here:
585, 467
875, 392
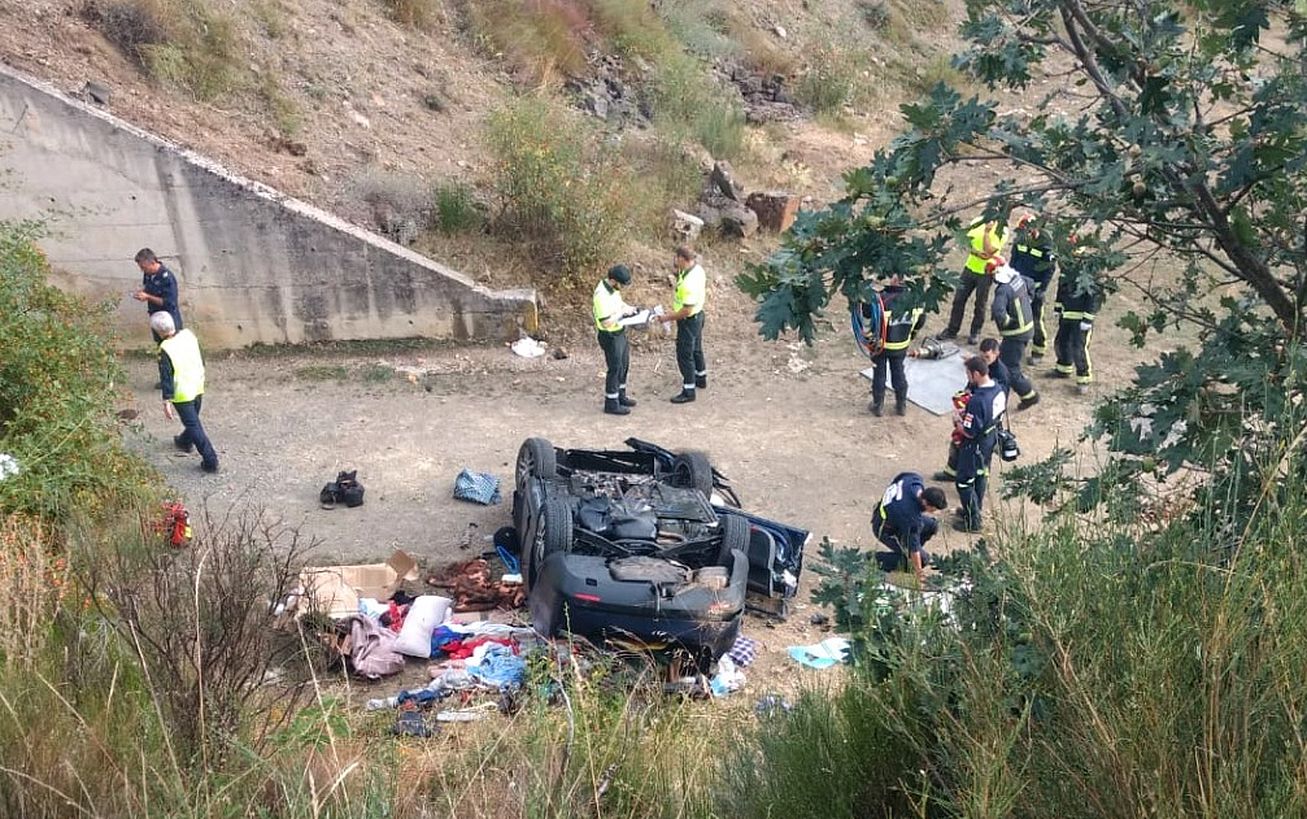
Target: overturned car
645, 546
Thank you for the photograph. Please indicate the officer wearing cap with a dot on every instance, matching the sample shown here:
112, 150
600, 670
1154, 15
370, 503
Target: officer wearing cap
609, 309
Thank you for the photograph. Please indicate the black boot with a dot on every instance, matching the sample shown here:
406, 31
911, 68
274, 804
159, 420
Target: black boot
181, 445
683, 397
613, 406
900, 405
877, 407
701, 381
624, 400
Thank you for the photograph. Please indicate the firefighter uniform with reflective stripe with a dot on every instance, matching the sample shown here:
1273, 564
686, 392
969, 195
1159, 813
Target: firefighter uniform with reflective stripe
1033, 257
980, 422
899, 521
975, 278
691, 291
999, 375
608, 308
181, 378
901, 327
1015, 319
1076, 307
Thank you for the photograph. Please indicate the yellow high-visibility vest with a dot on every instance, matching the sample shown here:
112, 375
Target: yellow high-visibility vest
691, 289
608, 307
183, 349
975, 263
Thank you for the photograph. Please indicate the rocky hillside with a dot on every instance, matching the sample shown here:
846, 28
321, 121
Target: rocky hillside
514, 139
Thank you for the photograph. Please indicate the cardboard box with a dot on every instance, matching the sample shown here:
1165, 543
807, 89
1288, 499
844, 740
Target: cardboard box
335, 590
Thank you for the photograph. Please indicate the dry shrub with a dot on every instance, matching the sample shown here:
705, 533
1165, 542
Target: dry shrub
186, 43
33, 586
537, 37
416, 13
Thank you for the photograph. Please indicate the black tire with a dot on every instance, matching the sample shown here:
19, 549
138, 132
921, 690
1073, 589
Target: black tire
735, 538
535, 459
693, 470
553, 534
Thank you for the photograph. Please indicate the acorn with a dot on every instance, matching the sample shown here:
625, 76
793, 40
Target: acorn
1139, 189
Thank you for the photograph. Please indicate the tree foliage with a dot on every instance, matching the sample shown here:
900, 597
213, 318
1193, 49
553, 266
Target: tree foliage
1173, 142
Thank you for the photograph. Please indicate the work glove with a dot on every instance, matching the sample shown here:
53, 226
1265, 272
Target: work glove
1086, 326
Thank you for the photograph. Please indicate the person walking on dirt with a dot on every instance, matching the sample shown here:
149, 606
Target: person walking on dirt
1016, 324
999, 375
900, 326
901, 522
158, 288
1079, 299
609, 309
687, 312
985, 242
1033, 256
181, 374
978, 424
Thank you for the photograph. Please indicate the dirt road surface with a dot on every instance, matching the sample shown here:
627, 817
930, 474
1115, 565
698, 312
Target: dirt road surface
788, 424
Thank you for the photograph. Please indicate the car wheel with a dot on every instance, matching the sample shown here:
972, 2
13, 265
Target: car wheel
693, 470
735, 538
535, 459
553, 534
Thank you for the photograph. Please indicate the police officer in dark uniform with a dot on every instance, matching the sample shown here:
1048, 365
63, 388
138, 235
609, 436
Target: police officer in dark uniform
901, 523
978, 424
158, 289
1033, 256
901, 327
1016, 324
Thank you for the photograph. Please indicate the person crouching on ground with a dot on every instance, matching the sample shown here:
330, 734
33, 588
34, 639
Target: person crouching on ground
181, 375
901, 522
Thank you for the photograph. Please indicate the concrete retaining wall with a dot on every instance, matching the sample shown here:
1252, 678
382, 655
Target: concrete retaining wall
254, 265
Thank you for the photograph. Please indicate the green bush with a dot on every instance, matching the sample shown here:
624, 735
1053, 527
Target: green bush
701, 27
185, 43
829, 81
688, 104
456, 208
1112, 669
58, 389
557, 186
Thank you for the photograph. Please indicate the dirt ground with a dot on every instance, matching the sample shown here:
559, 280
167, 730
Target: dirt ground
789, 425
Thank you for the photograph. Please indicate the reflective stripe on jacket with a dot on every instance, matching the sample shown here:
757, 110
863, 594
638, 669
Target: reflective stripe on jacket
691, 289
1011, 310
183, 350
608, 307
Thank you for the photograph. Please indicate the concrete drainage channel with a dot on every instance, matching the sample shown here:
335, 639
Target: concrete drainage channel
255, 266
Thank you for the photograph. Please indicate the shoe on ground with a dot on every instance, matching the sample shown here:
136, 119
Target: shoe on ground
942, 477
1058, 374
900, 407
1083, 389
945, 335
209, 468
182, 446
876, 409
961, 525
1035, 358
1027, 403
701, 382
973, 339
626, 401
683, 397
614, 407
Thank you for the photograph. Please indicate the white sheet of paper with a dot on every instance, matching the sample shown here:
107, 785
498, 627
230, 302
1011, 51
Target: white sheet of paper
638, 319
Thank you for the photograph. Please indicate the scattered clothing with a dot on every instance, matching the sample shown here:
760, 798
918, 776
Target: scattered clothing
474, 587
500, 667
477, 487
372, 649
828, 652
743, 651
727, 679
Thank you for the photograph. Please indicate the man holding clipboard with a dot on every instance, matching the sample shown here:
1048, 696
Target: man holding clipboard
612, 315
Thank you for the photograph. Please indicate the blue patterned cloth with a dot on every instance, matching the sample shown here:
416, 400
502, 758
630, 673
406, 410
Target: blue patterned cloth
743, 651
477, 487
